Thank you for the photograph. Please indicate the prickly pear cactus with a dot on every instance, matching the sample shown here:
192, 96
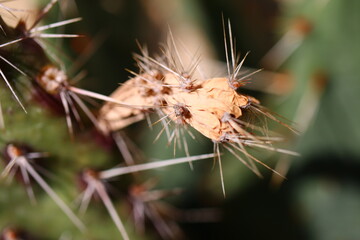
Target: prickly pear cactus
70, 165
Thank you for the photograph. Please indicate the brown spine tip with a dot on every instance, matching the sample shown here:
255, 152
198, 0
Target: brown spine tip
11, 233
302, 25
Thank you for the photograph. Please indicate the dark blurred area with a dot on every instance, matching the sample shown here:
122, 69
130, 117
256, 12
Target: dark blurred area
123, 22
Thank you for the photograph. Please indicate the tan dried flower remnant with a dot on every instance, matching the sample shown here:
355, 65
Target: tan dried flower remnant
147, 89
211, 106
207, 105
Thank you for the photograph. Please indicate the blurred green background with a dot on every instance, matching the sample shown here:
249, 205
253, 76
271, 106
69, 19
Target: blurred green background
310, 77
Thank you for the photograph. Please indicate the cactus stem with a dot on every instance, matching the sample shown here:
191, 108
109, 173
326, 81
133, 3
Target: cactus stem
19, 159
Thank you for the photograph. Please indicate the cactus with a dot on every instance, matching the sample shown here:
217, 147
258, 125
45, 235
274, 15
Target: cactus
61, 151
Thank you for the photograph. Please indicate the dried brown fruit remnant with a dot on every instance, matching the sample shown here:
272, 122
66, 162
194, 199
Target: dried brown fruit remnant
207, 105
212, 106
203, 108
146, 90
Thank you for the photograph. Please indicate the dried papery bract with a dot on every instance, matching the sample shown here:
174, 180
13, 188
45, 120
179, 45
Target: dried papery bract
94, 185
147, 89
19, 159
10, 10
144, 90
206, 105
